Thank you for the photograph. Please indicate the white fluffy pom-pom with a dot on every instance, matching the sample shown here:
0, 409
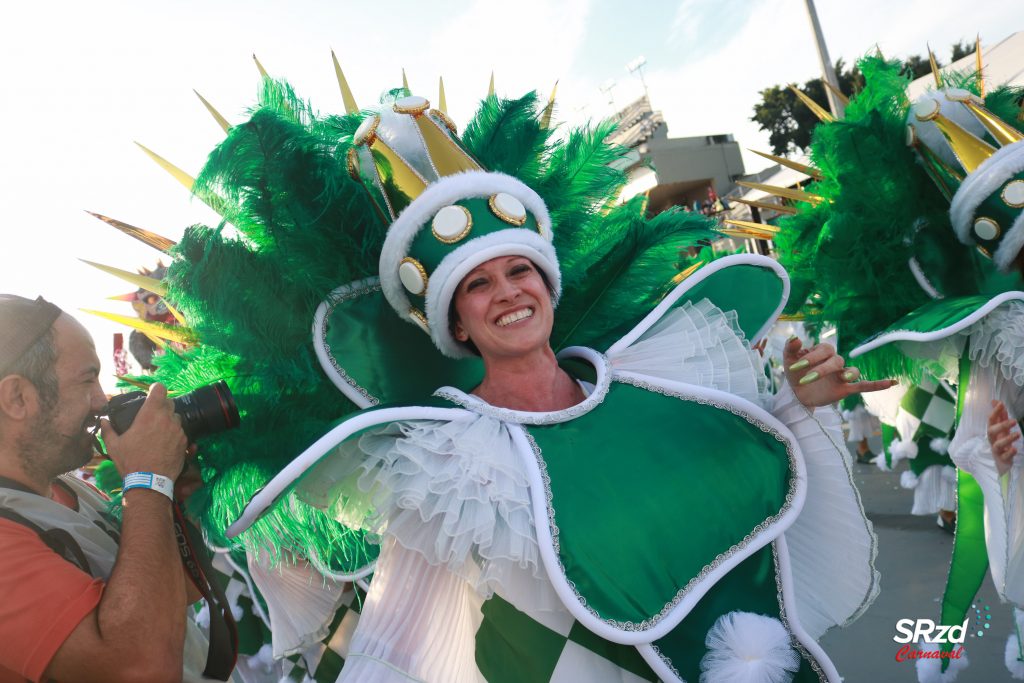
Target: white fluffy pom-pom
908, 480
264, 658
940, 445
929, 669
744, 647
1013, 648
1013, 662
902, 448
202, 617
881, 463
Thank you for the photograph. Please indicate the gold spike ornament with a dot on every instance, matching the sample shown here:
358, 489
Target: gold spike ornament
148, 283
815, 108
346, 93
173, 333
145, 236
797, 195
807, 170
221, 121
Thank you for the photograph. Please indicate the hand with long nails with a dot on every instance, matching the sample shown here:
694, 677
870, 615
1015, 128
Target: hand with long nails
819, 376
1003, 433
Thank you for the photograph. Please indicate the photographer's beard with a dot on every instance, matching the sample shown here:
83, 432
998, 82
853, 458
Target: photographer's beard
46, 452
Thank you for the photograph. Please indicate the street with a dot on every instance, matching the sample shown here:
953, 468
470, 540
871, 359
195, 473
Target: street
913, 558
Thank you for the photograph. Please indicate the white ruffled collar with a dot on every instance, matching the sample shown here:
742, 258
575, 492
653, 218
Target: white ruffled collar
600, 390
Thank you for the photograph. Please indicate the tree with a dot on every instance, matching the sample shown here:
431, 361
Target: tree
789, 122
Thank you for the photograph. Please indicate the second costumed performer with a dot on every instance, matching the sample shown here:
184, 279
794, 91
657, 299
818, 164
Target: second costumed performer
636, 507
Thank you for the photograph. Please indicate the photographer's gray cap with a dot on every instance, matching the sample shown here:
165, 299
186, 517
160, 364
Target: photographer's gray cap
22, 322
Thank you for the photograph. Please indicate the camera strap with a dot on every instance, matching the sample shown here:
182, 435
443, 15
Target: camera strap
223, 652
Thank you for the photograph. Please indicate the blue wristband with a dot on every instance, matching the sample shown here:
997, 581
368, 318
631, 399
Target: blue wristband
148, 480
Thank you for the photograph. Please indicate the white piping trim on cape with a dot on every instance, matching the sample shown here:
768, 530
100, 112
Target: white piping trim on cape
936, 335
793, 617
545, 540
683, 287
346, 385
785, 575
922, 280
277, 487
977, 186
478, 405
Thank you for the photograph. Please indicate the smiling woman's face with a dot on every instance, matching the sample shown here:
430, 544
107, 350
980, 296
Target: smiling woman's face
504, 307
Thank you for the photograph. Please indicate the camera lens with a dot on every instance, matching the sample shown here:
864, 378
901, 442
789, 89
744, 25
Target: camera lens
205, 411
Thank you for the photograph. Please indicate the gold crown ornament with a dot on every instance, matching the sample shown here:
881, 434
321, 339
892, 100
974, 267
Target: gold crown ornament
447, 213
977, 161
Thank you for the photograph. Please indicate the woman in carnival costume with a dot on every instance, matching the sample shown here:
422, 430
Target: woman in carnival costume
917, 425
925, 199
532, 529
642, 511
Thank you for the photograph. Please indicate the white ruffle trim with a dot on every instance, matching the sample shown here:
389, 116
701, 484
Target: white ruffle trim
998, 339
744, 647
300, 601
698, 344
832, 544
935, 490
929, 669
454, 492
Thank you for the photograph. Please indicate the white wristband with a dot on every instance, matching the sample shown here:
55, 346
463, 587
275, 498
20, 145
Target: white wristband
148, 480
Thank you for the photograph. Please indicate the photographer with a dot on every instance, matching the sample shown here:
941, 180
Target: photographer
83, 598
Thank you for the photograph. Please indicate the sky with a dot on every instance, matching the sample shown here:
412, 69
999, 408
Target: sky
83, 80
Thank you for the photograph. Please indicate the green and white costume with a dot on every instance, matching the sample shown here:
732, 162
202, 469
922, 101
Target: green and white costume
677, 504
911, 256
917, 425
678, 524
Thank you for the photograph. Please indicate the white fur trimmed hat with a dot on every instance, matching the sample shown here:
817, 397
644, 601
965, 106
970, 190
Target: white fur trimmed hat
448, 214
977, 160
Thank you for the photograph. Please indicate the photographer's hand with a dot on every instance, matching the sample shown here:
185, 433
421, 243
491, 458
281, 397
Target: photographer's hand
137, 632
155, 441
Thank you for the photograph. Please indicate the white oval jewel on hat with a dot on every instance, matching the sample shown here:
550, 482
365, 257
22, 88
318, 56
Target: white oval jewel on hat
986, 229
452, 223
1013, 194
420, 319
413, 104
366, 130
508, 208
413, 276
926, 110
911, 136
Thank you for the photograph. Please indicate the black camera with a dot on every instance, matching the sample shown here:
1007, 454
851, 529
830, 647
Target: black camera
207, 410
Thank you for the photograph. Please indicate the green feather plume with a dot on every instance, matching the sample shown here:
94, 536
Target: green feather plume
297, 226
850, 258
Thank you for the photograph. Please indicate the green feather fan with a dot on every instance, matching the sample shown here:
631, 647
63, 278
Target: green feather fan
852, 258
300, 226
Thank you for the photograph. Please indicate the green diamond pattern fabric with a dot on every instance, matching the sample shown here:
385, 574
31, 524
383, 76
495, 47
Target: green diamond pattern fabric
512, 647
321, 663
930, 409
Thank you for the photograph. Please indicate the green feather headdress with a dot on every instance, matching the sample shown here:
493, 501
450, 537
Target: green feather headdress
297, 225
881, 244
